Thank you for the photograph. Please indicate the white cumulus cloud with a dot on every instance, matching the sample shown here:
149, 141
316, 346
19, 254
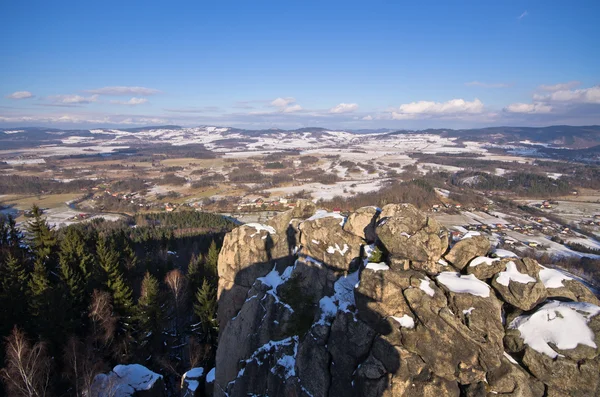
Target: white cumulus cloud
422, 109
132, 102
20, 95
123, 91
584, 95
292, 109
283, 102
528, 108
368, 117
344, 108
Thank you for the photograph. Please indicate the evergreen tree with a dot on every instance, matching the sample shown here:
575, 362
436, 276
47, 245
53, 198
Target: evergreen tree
113, 280
150, 316
212, 258
194, 273
42, 239
13, 294
205, 307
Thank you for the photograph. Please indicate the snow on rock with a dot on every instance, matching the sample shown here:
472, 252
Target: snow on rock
324, 214
480, 260
405, 321
500, 253
552, 278
512, 274
464, 284
285, 363
468, 311
562, 324
210, 376
273, 279
342, 299
332, 250
442, 262
470, 234
377, 266
125, 381
425, 287
509, 358
191, 379
260, 227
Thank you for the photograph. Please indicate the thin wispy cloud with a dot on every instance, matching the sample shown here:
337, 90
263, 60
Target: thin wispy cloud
560, 86
523, 15
123, 91
344, 108
487, 85
132, 102
20, 95
73, 99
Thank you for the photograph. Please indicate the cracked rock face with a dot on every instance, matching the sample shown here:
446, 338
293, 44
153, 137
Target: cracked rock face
304, 312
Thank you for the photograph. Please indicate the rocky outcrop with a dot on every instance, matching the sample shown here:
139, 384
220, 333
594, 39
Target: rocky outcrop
129, 381
315, 315
465, 250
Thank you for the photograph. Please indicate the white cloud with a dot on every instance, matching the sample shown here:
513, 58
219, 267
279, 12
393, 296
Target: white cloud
424, 109
124, 90
73, 99
132, 102
292, 109
283, 102
584, 95
528, 108
284, 105
20, 95
559, 86
368, 118
487, 85
344, 108
523, 15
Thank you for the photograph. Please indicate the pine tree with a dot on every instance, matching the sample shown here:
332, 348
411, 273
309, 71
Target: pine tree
205, 307
14, 294
40, 298
212, 258
113, 280
194, 274
42, 239
150, 316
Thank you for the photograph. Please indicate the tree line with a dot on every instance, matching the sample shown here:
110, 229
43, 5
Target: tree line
75, 302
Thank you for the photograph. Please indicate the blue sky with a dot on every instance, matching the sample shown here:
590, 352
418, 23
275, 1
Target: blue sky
258, 64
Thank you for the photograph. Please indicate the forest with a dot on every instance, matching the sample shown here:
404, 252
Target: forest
76, 301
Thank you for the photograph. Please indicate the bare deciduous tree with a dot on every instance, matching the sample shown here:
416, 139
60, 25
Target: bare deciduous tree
81, 365
27, 371
177, 284
101, 313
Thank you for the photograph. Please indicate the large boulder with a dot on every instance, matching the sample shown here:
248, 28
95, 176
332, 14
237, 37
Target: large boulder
407, 233
324, 239
467, 249
132, 380
361, 223
485, 268
561, 343
519, 284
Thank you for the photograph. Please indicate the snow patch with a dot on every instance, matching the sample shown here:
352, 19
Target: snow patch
480, 260
500, 253
320, 214
405, 321
260, 227
332, 250
425, 287
552, 278
468, 311
562, 324
381, 266
464, 284
512, 274
125, 380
